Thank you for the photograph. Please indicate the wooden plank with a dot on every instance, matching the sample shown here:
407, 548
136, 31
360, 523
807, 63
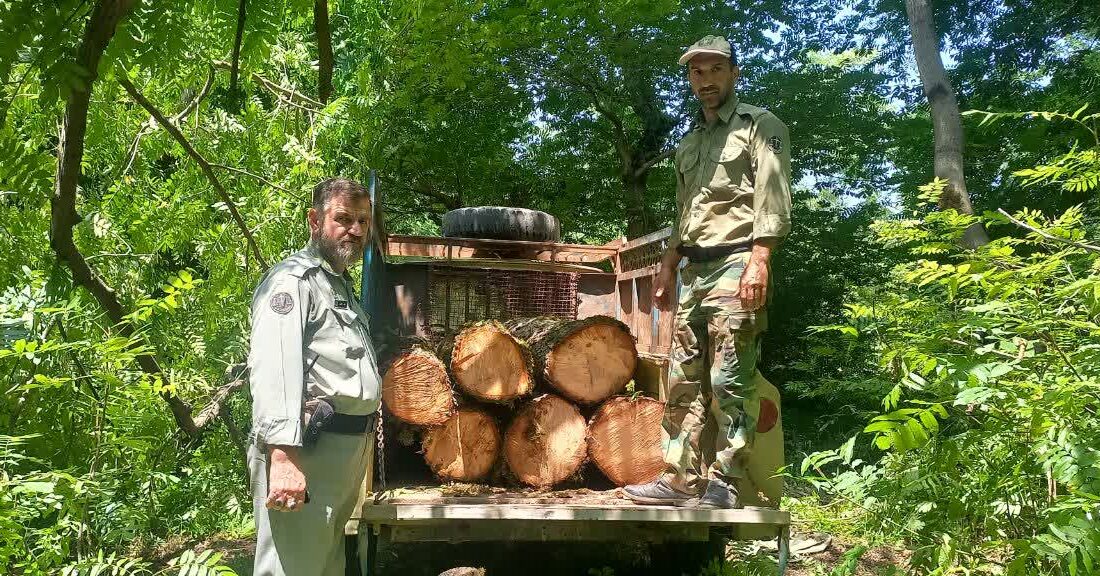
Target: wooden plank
526, 530
626, 302
439, 247
647, 239
643, 318
395, 513
639, 273
596, 295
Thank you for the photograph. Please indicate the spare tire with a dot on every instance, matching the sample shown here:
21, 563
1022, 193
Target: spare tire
501, 223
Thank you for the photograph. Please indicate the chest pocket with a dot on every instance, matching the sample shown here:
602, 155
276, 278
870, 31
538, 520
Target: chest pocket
351, 333
731, 169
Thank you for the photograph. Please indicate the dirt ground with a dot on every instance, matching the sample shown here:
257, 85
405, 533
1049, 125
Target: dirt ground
557, 559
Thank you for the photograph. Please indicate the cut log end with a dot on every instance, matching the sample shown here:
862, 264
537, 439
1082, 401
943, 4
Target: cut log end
545, 443
416, 389
490, 365
624, 440
592, 363
465, 447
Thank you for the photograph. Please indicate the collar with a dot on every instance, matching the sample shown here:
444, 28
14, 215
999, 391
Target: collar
728, 107
725, 112
312, 253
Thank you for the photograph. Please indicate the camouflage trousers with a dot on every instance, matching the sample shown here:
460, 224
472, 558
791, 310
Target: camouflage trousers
715, 349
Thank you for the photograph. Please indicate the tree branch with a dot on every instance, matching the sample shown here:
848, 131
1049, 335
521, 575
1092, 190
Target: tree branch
234, 67
63, 217
203, 164
324, 49
653, 162
256, 176
448, 202
150, 125
1047, 235
276, 87
236, 377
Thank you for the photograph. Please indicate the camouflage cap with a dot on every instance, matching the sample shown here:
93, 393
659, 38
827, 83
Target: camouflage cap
708, 45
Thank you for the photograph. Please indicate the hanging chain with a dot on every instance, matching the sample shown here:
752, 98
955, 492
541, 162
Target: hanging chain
380, 435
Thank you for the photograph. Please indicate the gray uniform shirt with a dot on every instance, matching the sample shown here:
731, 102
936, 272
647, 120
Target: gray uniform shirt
309, 337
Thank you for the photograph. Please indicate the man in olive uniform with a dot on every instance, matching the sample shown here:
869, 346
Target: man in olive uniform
311, 359
734, 203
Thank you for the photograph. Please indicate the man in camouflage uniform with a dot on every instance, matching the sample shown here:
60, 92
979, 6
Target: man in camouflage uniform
311, 356
734, 204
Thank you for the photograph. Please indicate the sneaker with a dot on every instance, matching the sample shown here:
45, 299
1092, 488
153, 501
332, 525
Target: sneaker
718, 496
656, 492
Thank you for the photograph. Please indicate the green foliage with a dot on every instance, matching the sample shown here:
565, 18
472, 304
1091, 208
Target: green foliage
989, 433
205, 563
467, 103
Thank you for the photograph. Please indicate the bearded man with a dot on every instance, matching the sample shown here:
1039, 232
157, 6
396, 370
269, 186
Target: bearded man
315, 391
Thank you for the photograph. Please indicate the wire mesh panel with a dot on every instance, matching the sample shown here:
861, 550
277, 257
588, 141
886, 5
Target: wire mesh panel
457, 296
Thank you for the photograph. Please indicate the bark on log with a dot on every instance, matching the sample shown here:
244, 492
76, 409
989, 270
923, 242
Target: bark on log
490, 364
465, 447
545, 443
417, 389
586, 360
624, 440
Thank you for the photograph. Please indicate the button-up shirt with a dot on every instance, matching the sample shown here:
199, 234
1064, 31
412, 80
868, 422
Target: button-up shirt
310, 338
733, 178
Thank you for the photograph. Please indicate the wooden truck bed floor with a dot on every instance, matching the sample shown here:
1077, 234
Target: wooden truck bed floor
478, 514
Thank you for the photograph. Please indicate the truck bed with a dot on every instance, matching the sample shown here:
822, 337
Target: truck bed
470, 513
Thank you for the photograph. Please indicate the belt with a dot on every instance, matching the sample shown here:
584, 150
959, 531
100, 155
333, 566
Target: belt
350, 423
701, 254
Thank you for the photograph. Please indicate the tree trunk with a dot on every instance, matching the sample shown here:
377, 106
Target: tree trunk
97, 34
324, 50
946, 121
490, 364
624, 440
545, 443
586, 360
639, 216
417, 389
464, 448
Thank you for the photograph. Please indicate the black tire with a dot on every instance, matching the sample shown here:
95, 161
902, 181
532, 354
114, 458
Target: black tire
501, 223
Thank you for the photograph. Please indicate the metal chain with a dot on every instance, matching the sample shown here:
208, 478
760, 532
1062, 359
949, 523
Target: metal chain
380, 435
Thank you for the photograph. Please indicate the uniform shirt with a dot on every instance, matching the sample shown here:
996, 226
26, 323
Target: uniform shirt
308, 334
733, 180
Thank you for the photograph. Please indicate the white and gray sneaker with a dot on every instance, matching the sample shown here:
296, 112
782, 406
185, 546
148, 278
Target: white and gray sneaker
656, 492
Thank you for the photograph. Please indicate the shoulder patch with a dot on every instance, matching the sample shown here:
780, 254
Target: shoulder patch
775, 144
282, 302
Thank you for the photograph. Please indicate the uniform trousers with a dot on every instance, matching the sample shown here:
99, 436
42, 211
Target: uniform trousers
310, 541
715, 349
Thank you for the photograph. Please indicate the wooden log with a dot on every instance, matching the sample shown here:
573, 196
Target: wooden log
465, 447
545, 443
587, 360
490, 364
624, 439
417, 389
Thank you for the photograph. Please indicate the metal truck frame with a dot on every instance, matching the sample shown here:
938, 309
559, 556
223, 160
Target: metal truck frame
613, 279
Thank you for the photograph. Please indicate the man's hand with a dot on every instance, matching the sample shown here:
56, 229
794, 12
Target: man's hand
664, 284
286, 485
754, 280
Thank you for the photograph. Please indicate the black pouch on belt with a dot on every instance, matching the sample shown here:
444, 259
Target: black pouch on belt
316, 416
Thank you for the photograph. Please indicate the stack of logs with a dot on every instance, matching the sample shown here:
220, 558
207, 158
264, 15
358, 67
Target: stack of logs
568, 365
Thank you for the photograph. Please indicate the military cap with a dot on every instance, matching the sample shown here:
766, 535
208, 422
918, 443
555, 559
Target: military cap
708, 45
